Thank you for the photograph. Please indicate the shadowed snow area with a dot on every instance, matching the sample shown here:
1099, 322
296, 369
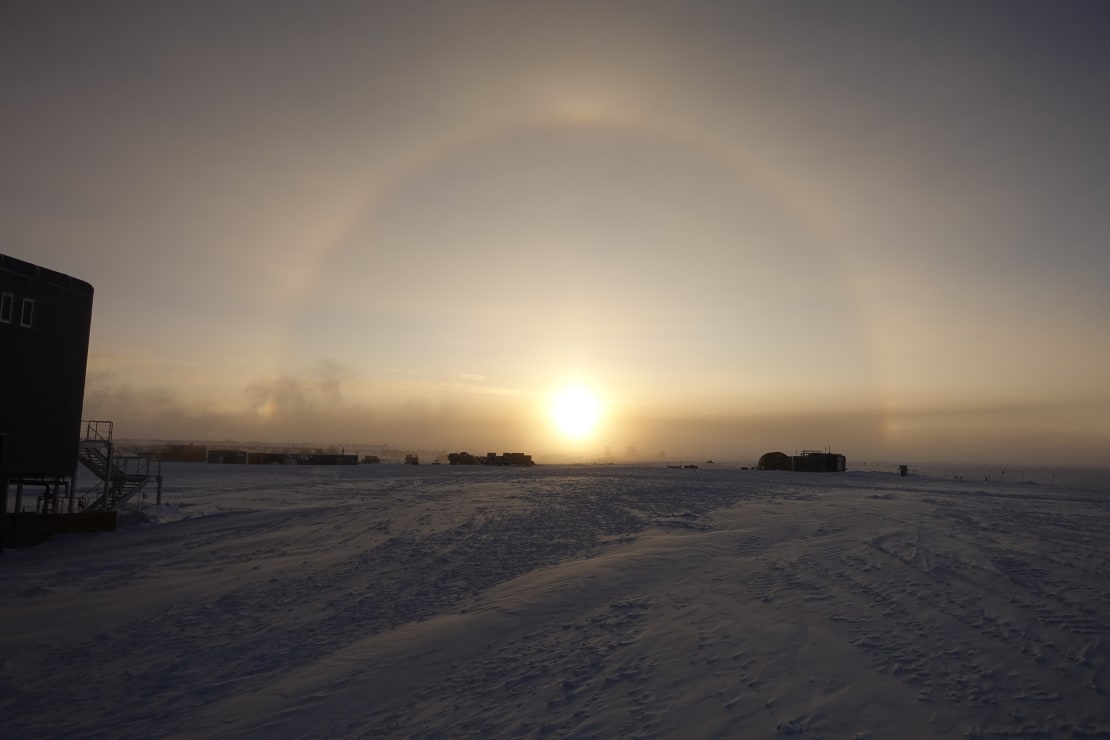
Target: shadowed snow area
389, 601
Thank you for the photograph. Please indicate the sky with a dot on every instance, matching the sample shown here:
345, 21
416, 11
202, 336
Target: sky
876, 227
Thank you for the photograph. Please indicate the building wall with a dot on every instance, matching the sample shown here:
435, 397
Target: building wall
227, 457
818, 462
182, 453
248, 457
509, 458
45, 318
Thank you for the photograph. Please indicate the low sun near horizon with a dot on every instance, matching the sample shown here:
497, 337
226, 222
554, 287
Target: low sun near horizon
575, 412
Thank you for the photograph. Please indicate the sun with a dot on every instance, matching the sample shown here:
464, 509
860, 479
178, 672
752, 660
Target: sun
575, 411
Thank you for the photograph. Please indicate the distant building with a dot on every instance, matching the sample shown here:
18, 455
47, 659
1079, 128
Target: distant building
491, 458
815, 461
247, 457
329, 458
774, 461
509, 458
182, 453
227, 457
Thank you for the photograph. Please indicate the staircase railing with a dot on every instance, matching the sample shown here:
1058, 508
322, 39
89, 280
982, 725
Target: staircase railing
119, 477
97, 431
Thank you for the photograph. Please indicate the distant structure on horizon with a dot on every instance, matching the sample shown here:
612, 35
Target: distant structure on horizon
810, 461
818, 461
190, 453
491, 458
247, 457
773, 461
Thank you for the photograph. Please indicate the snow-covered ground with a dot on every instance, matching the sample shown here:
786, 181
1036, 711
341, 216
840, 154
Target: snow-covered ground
433, 601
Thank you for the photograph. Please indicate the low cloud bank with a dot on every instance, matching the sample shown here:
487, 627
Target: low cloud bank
316, 409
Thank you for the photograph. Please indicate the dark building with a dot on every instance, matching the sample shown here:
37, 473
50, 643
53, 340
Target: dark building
227, 457
491, 458
774, 461
814, 461
509, 458
250, 457
327, 459
45, 318
181, 453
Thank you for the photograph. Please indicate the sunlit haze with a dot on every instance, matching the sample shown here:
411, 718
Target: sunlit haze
732, 227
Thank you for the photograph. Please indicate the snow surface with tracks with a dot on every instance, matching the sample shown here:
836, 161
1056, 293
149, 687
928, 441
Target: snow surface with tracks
593, 602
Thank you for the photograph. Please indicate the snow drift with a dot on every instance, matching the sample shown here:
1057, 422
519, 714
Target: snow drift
390, 601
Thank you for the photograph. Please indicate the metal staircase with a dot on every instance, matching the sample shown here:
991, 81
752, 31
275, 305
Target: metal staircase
119, 477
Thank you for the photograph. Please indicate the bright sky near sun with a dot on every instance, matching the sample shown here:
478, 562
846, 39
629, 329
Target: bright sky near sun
732, 227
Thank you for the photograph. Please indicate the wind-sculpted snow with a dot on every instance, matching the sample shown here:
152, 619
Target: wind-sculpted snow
381, 601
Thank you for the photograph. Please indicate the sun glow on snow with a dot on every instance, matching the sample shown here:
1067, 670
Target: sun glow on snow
575, 411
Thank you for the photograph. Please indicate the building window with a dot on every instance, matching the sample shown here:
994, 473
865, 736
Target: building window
7, 303
28, 312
